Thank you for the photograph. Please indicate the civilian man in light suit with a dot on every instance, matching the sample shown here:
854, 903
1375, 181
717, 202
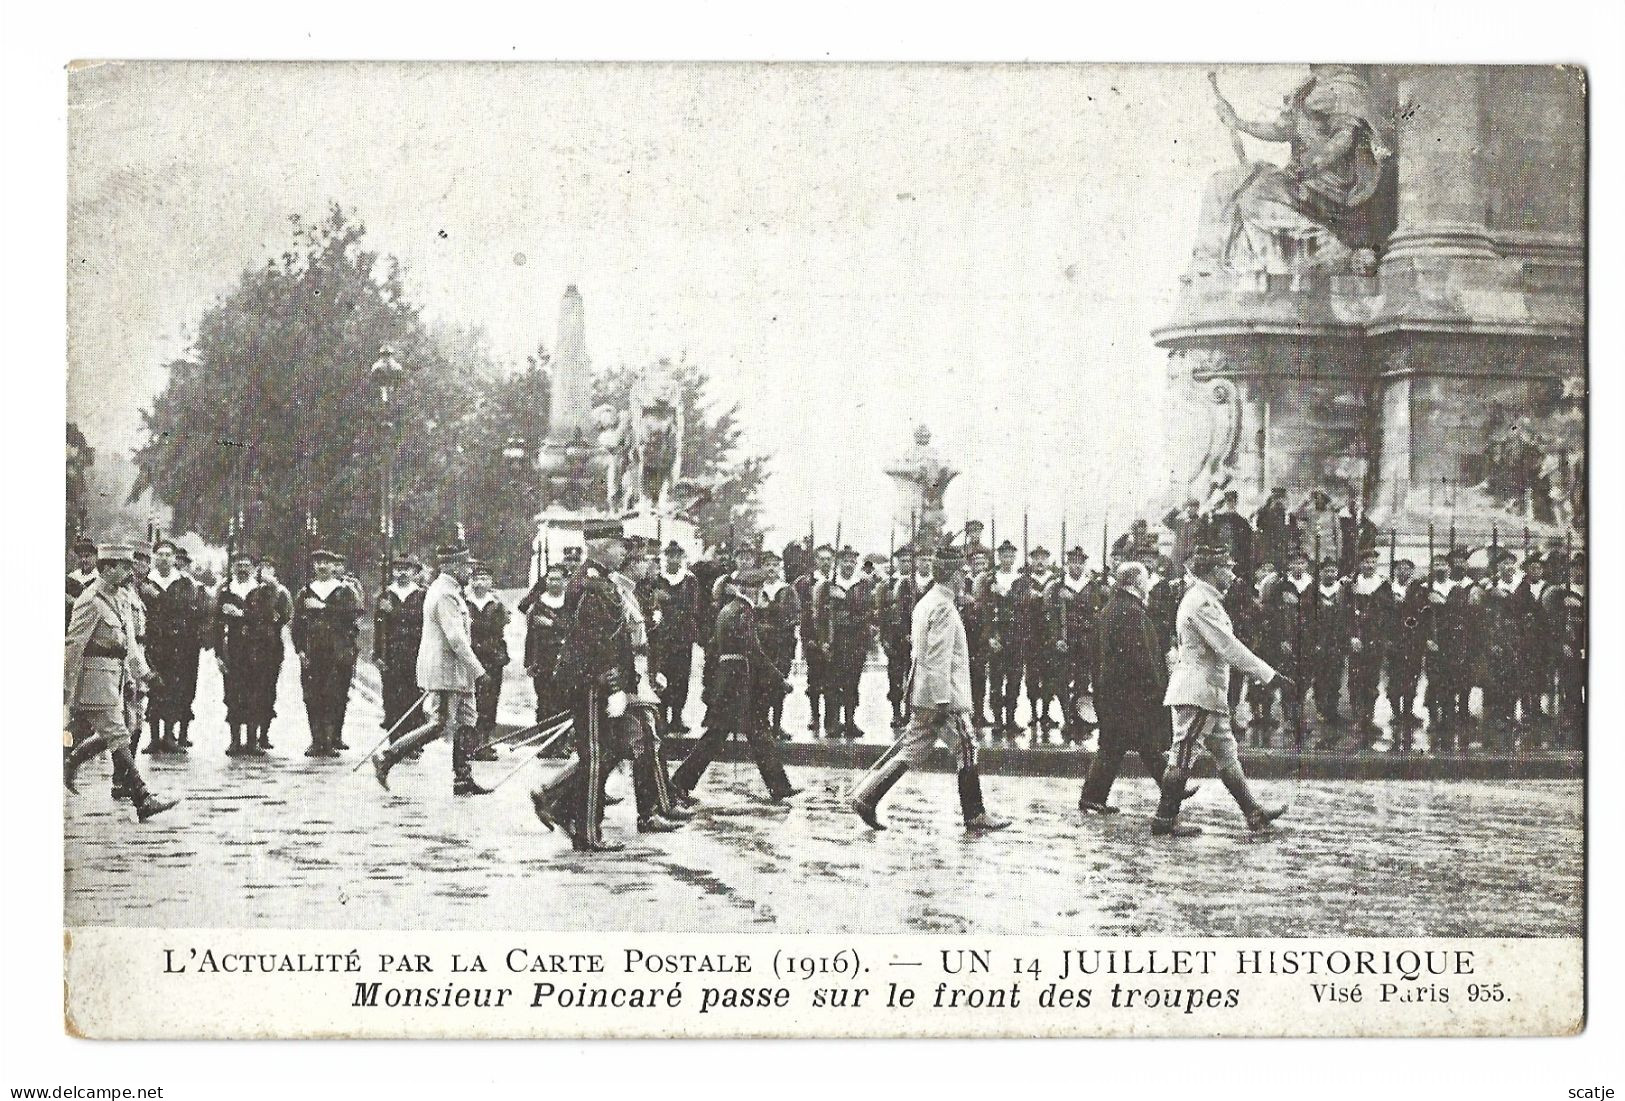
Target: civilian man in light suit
1197, 687
939, 694
448, 672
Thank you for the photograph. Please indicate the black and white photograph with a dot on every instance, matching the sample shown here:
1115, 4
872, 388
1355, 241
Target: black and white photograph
1127, 502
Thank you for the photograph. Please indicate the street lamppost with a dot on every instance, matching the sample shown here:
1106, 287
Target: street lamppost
516, 455
387, 375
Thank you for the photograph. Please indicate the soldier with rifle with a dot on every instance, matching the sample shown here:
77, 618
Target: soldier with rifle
973, 610
843, 619
1037, 659
780, 613
1368, 608
1409, 627
1284, 609
812, 650
1071, 608
996, 600
397, 631
248, 620
1446, 658
326, 615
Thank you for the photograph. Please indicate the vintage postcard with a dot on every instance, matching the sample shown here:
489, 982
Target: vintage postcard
812, 550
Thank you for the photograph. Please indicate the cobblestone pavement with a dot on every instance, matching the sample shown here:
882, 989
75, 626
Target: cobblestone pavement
287, 841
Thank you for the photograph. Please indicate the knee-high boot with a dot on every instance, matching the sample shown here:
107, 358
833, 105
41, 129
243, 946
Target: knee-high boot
84, 751
146, 803
1259, 816
235, 749
1166, 823
970, 802
463, 742
866, 800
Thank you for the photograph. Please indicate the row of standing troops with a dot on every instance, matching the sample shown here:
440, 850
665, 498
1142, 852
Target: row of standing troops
1517, 636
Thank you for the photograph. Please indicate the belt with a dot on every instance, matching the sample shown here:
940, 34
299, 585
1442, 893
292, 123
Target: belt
96, 651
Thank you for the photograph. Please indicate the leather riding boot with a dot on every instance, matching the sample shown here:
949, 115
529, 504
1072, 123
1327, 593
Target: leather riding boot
185, 735
235, 749
1166, 823
1259, 816
462, 769
866, 800
977, 819
84, 751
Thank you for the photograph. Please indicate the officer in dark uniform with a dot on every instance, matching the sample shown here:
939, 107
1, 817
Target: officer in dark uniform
80, 577
996, 599
812, 651
894, 614
677, 624
488, 635
777, 619
1070, 614
1285, 605
326, 624
746, 674
397, 631
543, 609
597, 674
973, 611
1037, 659
1369, 605
1408, 631
174, 642
843, 619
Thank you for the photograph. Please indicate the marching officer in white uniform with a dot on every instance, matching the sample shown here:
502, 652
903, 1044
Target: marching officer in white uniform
97, 682
1197, 691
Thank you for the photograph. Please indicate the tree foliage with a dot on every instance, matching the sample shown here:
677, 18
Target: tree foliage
270, 432
271, 414
81, 457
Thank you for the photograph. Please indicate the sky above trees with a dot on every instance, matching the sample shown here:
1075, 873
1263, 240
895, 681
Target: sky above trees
850, 250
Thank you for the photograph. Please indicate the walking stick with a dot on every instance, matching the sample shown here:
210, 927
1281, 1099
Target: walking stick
409, 712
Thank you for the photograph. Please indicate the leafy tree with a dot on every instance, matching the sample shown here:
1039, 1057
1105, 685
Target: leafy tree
81, 457
497, 496
271, 416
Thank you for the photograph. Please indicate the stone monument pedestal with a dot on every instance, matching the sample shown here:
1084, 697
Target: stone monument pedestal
1435, 381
